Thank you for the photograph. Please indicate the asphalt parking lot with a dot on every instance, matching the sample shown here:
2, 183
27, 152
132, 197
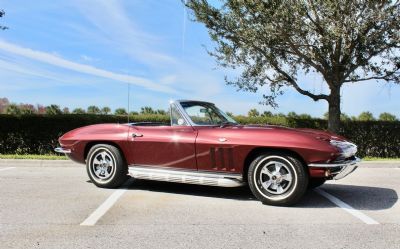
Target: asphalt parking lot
55, 206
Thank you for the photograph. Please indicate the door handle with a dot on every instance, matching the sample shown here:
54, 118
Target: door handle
137, 135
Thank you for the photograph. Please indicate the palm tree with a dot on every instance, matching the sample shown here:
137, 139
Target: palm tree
105, 110
93, 109
120, 111
385, 116
147, 110
53, 110
253, 113
366, 116
13, 109
65, 110
78, 111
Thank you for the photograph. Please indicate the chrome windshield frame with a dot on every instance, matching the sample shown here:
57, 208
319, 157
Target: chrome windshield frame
177, 104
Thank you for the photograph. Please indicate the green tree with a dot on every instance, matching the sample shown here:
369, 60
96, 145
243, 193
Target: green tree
133, 113
274, 42
53, 110
78, 111
120, 111
304, 116
105, 110
253, 113
343, 117
385, 116
4, 102
267, 114
27, 109
93, 110
161, 112
366, 116
13, 109
2, 13
280, 115
40, 109
65, 110
292, 115
230, 114
147, 110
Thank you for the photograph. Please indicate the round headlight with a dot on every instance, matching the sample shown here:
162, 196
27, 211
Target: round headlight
347, 149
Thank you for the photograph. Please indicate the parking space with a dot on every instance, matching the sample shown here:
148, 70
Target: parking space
47, 196
169, 203
374, 191
44, 207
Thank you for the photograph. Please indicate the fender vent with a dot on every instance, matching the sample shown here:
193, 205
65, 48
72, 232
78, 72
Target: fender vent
222, 159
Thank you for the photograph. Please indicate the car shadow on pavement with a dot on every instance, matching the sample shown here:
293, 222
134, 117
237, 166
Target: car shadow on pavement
239, 193
363, 197
359, 197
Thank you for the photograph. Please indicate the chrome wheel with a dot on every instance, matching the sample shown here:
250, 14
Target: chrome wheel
106, 166
102, 164
275, 177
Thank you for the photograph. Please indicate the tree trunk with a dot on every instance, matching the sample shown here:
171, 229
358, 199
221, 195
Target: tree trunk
334, 110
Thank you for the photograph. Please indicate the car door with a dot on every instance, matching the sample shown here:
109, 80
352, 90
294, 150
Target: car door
216, 149
164, 146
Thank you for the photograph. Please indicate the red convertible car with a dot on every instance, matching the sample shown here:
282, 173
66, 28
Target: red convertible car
203, 145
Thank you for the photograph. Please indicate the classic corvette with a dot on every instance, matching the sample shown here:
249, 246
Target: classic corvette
203, 145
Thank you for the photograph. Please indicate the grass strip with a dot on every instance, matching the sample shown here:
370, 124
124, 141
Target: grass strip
380, 159
62, 157
37, 157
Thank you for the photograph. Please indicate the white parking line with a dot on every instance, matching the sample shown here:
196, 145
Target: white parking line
346, 207
105, 206
3, 169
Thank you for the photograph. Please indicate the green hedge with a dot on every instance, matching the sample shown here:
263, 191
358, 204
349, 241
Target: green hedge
38, 134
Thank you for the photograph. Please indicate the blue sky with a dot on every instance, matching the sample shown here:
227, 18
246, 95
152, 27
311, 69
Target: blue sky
79, 53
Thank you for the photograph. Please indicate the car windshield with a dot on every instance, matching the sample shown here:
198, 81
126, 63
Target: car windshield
202, 113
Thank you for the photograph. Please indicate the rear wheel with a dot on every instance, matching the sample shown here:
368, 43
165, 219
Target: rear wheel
316, 182
106, 166
277, 179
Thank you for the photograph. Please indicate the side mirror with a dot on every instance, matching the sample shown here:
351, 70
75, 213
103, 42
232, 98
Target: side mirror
203, 110
181, 121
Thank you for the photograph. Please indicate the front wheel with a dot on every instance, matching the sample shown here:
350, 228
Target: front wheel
106, 166
277, 179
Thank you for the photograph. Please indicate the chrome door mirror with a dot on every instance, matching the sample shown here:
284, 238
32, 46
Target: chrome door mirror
181, 121
176, 116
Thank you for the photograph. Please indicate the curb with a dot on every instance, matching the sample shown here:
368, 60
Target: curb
69, 163
382, 161
38, 163
380, 164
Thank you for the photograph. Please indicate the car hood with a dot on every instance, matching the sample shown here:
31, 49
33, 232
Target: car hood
319, 134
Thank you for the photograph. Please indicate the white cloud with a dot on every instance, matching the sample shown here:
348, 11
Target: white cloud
118, 29
168, 79
114, 26
86, 58
54, 60
12, 67
18, 73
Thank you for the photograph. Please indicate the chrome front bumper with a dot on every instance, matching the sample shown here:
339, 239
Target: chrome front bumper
338, 170
62, 150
